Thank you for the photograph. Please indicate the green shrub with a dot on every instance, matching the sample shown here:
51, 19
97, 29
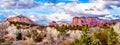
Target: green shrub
36, 36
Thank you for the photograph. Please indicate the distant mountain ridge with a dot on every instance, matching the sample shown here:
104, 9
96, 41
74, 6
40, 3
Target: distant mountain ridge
80, 21
90, 21
20, 18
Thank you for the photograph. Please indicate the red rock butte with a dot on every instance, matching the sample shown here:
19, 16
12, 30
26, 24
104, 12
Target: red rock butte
91, 21
20, 18
64, 23
53, 23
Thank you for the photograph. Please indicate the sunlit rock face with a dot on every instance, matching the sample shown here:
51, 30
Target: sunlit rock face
90, 21
53, 23
20, 18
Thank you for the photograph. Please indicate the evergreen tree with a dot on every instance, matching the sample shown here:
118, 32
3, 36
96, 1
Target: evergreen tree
85, 38
112, 37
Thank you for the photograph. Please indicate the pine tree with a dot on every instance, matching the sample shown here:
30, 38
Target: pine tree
112, 37
85, 38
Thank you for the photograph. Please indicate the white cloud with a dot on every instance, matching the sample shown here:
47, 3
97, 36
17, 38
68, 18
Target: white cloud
107, 3
109, 17
11, 16
17, 4
32, 17
59, 17
83, 9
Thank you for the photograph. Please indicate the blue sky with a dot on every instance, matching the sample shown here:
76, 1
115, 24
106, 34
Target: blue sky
45, 11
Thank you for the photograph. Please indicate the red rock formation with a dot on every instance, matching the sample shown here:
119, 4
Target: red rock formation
20, 18
64, 23
53, 23
90, 21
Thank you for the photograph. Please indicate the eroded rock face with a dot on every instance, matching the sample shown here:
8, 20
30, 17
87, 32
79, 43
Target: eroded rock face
20, 18
90, 21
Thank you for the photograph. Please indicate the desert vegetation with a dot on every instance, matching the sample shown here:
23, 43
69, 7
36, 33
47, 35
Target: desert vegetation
17, 33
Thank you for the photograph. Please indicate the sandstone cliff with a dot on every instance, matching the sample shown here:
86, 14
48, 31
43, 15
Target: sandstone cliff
90, 21
20, 18
53, 23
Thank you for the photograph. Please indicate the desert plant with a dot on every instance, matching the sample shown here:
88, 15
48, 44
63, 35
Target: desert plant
3, 26
36, 36
62, 28
112, 37
19, 36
